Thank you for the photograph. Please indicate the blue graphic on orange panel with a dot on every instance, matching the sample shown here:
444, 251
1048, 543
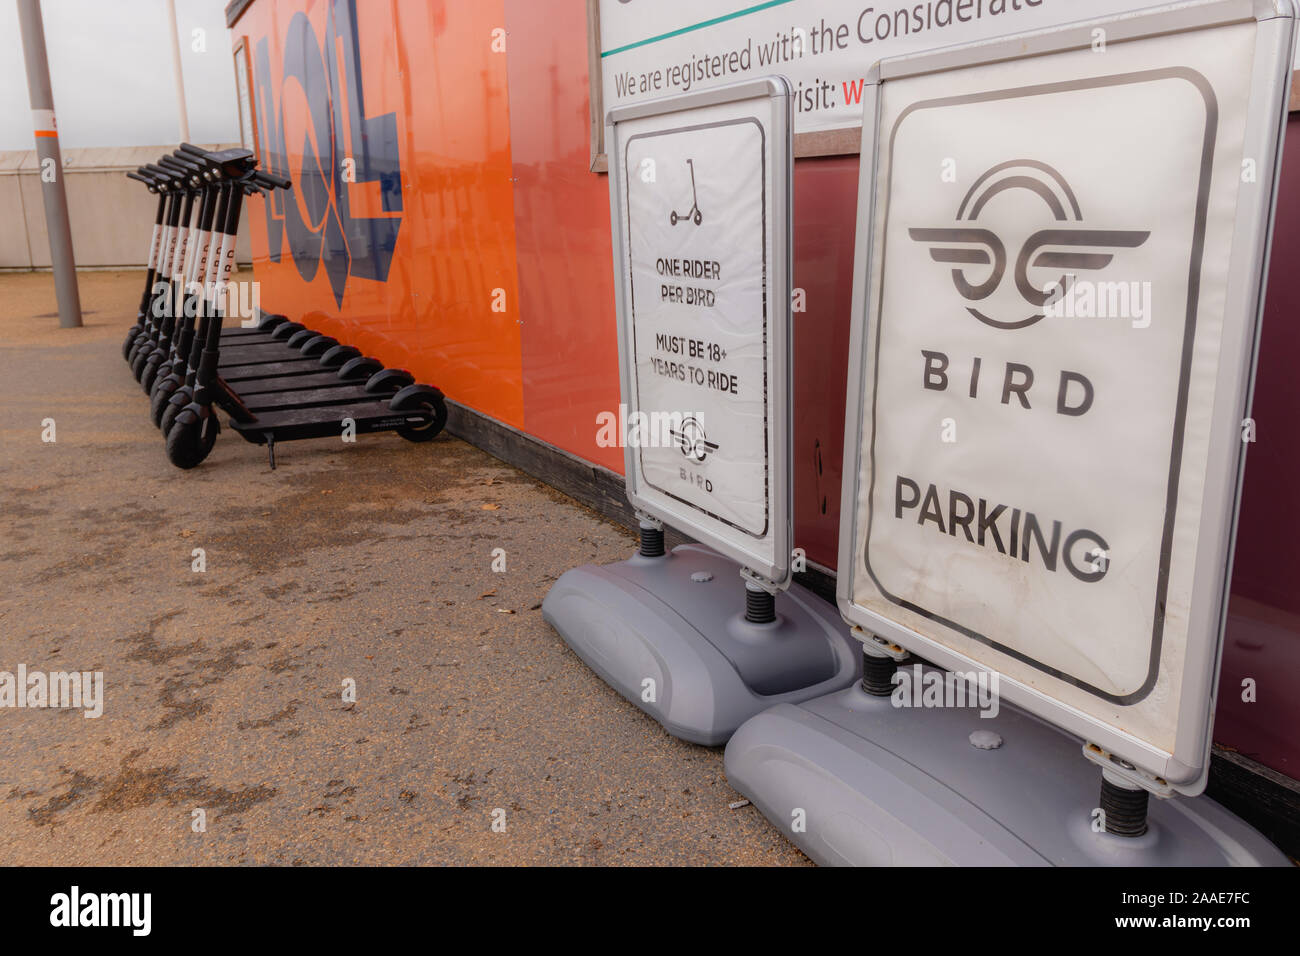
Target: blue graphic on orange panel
340, 145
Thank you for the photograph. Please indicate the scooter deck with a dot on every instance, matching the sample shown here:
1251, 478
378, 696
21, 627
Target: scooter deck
243, 343
270, 370
271, 385
248, 354
323, 421
350, 393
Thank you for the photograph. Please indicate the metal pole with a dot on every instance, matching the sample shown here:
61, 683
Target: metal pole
178, 74
51, 164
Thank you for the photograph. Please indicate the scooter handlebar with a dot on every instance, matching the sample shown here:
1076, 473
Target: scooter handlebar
194, 150
263, 178
163, 174
180, 165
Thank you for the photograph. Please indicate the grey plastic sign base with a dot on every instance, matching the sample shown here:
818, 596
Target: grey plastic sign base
877, 785
670, 635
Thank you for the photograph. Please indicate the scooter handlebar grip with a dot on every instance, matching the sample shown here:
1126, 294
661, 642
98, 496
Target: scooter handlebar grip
263, 178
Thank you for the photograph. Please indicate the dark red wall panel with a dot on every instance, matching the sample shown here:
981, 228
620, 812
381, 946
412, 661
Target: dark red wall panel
1263, 639
825, 217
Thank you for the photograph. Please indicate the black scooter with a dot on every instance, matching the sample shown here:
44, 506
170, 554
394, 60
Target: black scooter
278, 380
201, 275
278, 411
162, 189
174, 187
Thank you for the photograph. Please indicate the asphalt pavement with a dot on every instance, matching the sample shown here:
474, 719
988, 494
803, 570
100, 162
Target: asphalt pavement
225, 736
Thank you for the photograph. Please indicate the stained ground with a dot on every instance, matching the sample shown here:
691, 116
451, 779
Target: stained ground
369, 562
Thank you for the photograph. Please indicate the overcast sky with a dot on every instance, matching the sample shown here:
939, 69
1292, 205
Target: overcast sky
111, 70
110, 65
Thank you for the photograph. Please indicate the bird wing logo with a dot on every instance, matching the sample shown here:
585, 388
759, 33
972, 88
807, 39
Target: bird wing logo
971, 249
692, 441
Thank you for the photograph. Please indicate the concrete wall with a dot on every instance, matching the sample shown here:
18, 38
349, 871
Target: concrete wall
111, 215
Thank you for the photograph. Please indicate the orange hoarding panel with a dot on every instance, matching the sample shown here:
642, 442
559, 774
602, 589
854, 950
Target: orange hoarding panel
444, 218
562, 232
393, 121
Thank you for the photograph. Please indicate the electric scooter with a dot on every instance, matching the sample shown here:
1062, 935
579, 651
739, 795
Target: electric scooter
268, 408
160, 318
228, 172
173, 373
171, 184
162, 190
181, 278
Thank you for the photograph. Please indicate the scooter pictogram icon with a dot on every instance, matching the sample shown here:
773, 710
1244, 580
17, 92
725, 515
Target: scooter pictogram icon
693, 213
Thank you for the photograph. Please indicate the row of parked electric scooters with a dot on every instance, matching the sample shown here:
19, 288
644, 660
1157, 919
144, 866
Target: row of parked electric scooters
276, 379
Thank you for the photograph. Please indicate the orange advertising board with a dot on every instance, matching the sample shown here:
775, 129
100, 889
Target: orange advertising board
398, 236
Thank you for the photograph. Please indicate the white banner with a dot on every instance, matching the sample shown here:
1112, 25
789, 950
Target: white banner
699, 313
1048, 348
704, 320
652, 48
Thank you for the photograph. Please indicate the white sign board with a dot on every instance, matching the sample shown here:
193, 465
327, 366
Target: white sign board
700, 195
1060, 312
654, 48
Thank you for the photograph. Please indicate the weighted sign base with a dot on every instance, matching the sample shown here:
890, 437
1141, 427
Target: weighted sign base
881, 785
670, 635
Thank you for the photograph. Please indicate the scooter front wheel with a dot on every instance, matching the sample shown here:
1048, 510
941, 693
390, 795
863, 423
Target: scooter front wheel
137, 363
191, 439
159, 400
131, 333
149, 374
175, 405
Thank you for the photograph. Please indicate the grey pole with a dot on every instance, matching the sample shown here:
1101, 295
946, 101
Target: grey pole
47, 152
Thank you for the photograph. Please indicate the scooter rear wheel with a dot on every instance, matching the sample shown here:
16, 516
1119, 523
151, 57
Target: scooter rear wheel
361, 367
390, 380
339, 354
317, 345
422, 398
282, 332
